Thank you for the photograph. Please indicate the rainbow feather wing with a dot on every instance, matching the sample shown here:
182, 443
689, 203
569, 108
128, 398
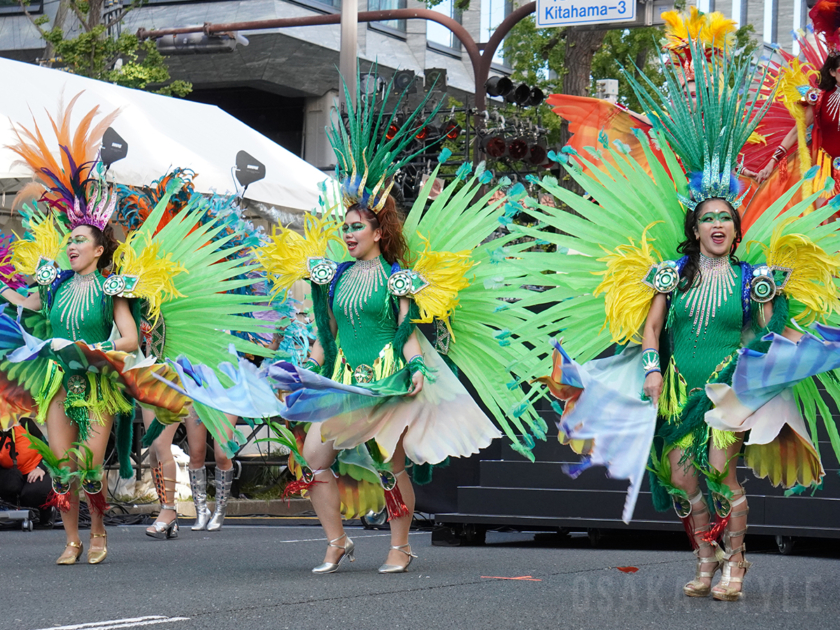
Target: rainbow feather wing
460, 220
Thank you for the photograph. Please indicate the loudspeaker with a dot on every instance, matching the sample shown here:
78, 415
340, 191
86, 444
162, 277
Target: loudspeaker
248, 169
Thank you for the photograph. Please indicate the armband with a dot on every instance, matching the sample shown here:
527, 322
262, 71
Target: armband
650, 361
779, 153
312, 365
104, 346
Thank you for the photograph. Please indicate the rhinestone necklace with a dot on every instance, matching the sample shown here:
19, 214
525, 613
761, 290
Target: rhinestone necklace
82, 294
832, 106
717, 280
361, 281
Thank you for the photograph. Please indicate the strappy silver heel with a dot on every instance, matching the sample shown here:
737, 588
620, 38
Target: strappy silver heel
396, 568
349, 549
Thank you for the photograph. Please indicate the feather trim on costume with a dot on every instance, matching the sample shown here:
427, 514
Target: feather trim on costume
43, 241
8, 273
811, 282
154, 273
445, 275
286, 257
627, 299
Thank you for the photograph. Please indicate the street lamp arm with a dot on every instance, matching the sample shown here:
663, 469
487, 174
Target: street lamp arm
333, 18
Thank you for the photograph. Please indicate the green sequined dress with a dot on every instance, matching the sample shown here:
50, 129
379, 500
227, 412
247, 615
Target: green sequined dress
366, 316
705, 327
81, 311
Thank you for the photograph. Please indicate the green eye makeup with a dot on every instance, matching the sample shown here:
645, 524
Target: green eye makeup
724, 216
77, 240
358, 226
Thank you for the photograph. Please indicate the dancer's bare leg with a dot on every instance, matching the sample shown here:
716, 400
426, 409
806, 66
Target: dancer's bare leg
324, 496
63, 434
400, 527
161, 453
685, 478
97, 442
738, 516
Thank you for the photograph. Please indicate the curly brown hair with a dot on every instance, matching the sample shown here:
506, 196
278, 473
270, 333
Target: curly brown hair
108, 241
392, 244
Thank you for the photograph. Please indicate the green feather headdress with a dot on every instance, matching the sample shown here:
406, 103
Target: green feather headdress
708, 131
366, 157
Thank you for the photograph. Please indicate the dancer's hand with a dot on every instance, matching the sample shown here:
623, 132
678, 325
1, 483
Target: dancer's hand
35, 475
416, 384
653, 387
766, 172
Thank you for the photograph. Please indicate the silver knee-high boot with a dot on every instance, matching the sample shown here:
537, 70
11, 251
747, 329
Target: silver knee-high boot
224, 480
198, 484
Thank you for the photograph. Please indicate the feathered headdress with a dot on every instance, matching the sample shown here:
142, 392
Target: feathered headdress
707, 130
368, 143
73, 176
826, 18
136, 203
711, 33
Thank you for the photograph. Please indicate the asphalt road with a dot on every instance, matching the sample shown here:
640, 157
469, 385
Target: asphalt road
259, 577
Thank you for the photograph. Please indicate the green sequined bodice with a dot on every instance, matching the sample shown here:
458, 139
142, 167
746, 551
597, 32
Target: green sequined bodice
364, 311
77, 311
706, 321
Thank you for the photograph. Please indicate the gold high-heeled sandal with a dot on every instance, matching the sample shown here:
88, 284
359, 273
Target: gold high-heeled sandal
349, 549
67, 560
723, 591
95, 556
397, 568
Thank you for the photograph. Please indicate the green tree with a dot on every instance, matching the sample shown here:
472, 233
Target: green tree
98, 51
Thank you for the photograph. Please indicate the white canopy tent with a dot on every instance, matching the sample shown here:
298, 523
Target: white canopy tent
161, 133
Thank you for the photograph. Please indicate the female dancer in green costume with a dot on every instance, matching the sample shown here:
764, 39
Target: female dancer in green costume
705, 321
82, 410
364, 317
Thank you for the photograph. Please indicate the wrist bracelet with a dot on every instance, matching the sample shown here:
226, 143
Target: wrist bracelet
417, 364
650, 361
779, 153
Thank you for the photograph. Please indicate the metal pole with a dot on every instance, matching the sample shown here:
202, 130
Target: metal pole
349, 48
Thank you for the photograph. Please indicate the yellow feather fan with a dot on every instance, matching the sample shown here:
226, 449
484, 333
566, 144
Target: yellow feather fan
814, 270
286, 256
445, 272
712, 30
627, 299
155, 273
44, 241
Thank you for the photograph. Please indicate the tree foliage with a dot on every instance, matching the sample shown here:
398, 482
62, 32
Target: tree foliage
97, 52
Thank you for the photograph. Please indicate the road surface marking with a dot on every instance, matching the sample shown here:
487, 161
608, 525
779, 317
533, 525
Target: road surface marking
113, 624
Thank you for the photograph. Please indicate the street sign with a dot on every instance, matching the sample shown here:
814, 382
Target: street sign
580, 12
647, 13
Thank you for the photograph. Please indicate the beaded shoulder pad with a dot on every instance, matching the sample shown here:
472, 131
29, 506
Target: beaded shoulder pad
663, 277
767, 281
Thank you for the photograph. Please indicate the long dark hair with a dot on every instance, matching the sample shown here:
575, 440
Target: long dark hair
691, 245
828, 82
392, 244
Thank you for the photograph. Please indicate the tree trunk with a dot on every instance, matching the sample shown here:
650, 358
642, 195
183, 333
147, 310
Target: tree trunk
60, 18
581, 46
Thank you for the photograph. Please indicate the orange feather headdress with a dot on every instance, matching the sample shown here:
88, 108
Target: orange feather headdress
74, 176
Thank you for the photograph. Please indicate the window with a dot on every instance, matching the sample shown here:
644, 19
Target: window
493, 13
387, 5
438, 33
11, 7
